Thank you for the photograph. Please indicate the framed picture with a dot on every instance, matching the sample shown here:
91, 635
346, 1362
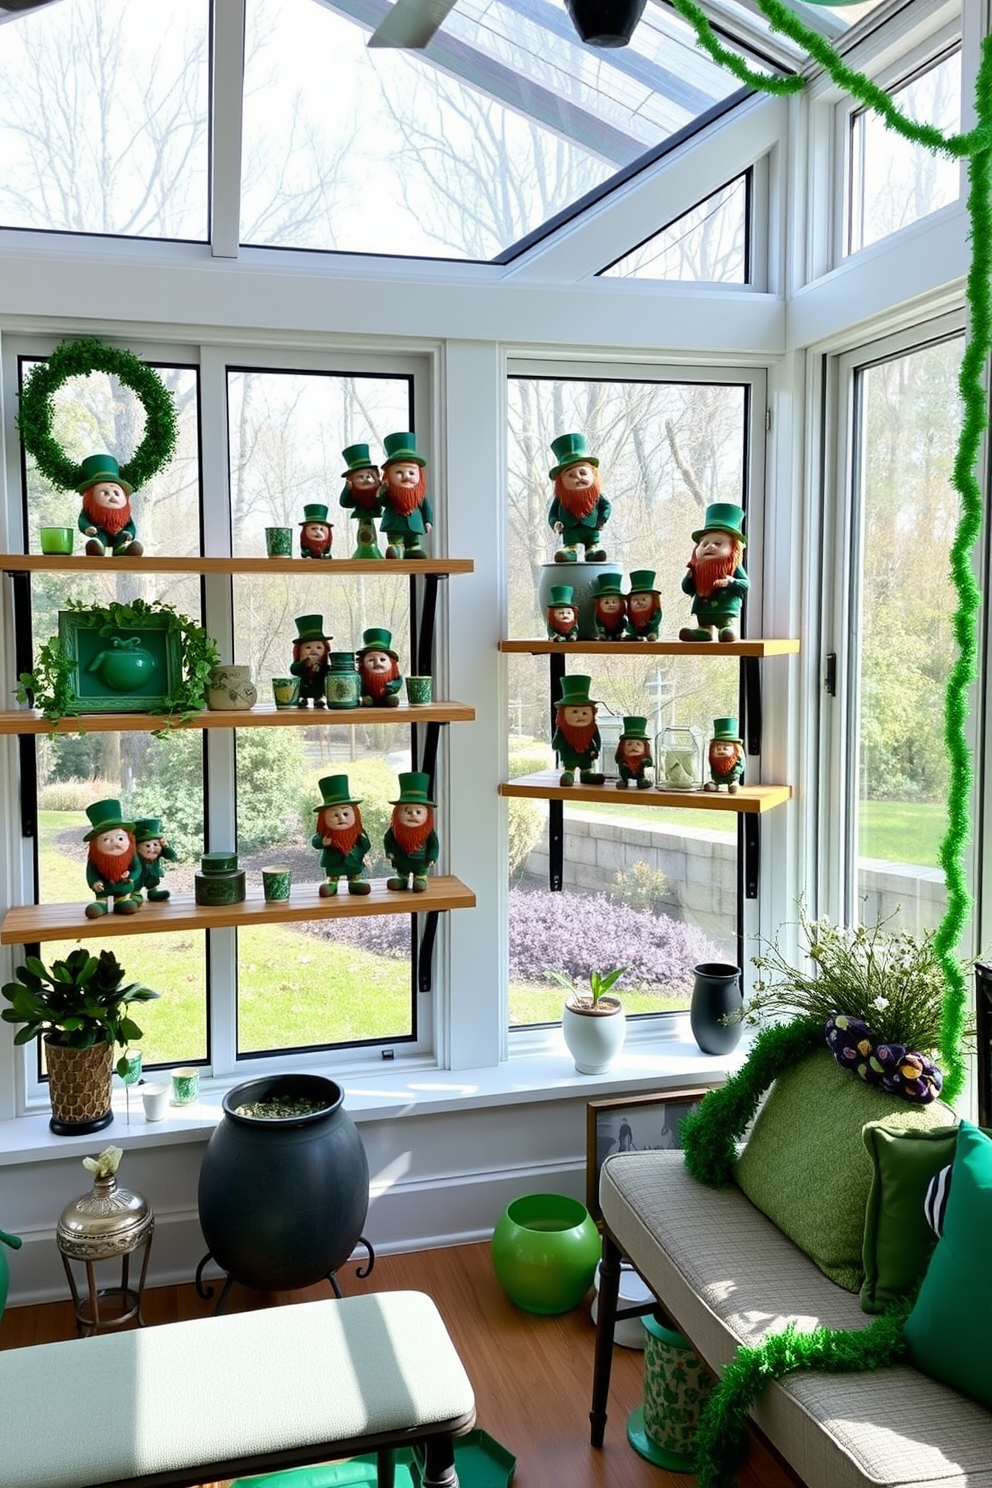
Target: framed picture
126, 669
632, 1123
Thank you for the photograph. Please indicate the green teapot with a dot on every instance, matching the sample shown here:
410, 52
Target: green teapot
14, 1241
125, 665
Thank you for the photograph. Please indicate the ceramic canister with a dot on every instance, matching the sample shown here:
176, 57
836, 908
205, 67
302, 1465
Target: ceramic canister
343, 685
231, 687
220, 880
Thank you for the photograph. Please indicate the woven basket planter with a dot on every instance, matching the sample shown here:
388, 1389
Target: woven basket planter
79, 1084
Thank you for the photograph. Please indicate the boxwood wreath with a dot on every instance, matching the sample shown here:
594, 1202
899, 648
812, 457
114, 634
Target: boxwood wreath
49, 687
78, 359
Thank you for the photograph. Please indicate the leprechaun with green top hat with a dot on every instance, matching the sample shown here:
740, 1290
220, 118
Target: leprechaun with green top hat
715, 577
360, 496
153, 852
563, 614
643, 606
407, 513
316, 532
410, 842
339, 835
379, 669
633, 755
106, 515
609, 611
113, 868
726, 757
579, 511
311, 653
576, 738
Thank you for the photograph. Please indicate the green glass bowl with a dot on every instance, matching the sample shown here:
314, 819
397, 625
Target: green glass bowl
545, 1251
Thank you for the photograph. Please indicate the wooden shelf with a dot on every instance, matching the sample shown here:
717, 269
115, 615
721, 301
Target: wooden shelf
263, 715
750, 799
80, 563
44, 922
652, 648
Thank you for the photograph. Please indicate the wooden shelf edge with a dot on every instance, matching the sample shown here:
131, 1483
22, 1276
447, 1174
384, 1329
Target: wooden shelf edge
79, 563
264, 715
44, 922
757, 647
750, 799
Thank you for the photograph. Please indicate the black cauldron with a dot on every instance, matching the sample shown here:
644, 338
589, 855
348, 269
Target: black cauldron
283, 1199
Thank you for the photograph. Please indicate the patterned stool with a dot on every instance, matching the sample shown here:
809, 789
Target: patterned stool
676, 1384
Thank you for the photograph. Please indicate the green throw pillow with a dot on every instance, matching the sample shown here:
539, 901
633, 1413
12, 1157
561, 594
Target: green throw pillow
949, 1329
898, 1242
805, 1163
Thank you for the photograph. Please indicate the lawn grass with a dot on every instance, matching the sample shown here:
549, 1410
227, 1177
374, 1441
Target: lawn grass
902, 831
540, 1003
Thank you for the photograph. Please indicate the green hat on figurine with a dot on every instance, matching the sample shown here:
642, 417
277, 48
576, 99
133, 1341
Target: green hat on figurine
358, 458
561, 594
101, 468
635, 728
104, 817
402, 447
311, 628
335, 791
147, 827
377, 640
726, 729
642, 581
570, 449
414, 789
723, 516
315, 513
575, 692
608, 583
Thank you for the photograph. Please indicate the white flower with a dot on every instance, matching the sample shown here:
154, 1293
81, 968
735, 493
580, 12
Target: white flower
106, 1165
880, 1002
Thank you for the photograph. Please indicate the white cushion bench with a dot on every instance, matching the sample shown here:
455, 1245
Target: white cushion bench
224, 1397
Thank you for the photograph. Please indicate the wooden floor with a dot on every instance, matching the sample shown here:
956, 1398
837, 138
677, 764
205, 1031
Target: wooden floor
532, 1375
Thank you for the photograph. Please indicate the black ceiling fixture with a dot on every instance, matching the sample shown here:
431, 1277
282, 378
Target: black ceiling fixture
605, 23
410, 24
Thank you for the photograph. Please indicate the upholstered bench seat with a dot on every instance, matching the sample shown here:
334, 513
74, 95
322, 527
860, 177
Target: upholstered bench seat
223, 1397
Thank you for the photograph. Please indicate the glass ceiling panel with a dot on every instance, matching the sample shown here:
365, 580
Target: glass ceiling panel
103, 118
458, 150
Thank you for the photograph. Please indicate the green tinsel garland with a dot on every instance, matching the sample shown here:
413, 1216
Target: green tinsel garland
721, 1434
77, 359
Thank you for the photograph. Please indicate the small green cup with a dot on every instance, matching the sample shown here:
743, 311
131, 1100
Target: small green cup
286, 691
276, 882
56, 540
418, 691
279, 542
185, 1085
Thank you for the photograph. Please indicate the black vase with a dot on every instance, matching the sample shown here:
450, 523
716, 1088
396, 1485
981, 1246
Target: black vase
716, 991
282, 1201
605, 23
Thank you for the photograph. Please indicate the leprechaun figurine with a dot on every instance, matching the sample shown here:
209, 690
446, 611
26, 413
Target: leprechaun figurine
578, 512
563, 614
410, 842
361, 497
379, 670
316, 532
643, 607
311, 653
633, 755
715, 577
339, 835
726, 757
609, 608
576, 738
407, 514
105, 519
113, 868
154, 852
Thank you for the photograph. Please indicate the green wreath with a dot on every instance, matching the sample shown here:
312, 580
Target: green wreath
76, 359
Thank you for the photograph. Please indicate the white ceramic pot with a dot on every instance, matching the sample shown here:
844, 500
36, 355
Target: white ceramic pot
594, 1036
231, 687
582, 578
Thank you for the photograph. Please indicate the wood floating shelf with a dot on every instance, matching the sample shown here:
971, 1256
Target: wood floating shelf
30, 721
749, 800
652, 648
80, 563
43, 922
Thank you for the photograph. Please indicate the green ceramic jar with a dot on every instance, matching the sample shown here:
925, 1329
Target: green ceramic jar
343, 685
220, 881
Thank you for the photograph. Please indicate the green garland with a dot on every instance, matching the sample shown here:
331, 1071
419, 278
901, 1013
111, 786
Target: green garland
77, 359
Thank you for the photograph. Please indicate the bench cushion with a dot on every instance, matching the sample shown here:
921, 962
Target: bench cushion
239, 1388
728, 1276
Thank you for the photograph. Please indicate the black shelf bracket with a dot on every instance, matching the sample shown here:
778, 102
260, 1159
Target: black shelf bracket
425, 952
556, 808
423, 617
751, 825
752, 702
26, 744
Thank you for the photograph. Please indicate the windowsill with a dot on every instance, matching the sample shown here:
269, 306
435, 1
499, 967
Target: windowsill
388, 1094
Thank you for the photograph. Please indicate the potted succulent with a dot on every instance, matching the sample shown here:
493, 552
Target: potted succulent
79, 1007
593, 1021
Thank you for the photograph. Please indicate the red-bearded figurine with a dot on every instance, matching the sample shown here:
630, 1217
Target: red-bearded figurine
726, 757
113, 867
106, 515
379, 670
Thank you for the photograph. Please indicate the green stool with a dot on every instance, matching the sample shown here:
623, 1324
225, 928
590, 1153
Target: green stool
676, 1384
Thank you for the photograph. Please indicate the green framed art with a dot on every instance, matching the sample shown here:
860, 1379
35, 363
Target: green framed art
121, 669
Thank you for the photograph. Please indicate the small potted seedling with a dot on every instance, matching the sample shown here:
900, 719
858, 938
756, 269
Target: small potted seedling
593, 1020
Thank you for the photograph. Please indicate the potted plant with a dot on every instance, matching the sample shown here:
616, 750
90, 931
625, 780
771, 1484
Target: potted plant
80, 1008
593, 1021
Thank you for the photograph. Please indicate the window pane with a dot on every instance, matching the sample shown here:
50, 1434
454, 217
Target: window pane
649, 887
908, 428
707, 244
103, 118
894, 182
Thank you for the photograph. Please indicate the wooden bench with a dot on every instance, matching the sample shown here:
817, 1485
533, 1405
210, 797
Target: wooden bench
225, 1397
